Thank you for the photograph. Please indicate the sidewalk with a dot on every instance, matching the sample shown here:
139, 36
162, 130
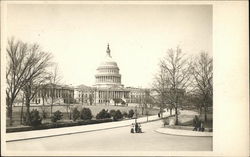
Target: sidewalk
179, 132
17, 136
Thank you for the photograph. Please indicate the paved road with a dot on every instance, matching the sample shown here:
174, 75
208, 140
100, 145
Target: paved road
118, 139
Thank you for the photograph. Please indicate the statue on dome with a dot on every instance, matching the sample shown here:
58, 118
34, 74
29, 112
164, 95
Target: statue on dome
108, 50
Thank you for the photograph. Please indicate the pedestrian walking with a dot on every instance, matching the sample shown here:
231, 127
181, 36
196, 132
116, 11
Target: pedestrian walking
136, 127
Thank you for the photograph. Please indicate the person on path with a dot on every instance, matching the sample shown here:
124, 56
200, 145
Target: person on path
136, 127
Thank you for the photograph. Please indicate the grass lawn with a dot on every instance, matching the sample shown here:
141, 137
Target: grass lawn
185, 118
189, 120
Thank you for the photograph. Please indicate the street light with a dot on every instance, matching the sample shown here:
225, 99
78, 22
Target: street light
69, 98
68, 93
147, 113
135, 114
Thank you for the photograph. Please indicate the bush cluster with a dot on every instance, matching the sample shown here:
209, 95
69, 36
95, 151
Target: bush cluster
196, 122
57, 125
33, 119
125, 114
116, 115
103, 114
112, 113
76, 114
57, 116
131, 113
123, 102
165, 121
86, 114
44, 114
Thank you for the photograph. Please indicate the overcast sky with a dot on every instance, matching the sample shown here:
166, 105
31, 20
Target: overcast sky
138, 35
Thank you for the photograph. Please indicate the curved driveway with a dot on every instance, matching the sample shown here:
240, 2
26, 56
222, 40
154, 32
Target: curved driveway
117, 139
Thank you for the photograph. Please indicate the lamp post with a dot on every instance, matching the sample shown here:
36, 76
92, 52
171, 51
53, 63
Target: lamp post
135, 114
68, 93
147, 114
69, 98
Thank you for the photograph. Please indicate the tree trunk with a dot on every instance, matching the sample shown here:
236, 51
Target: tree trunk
10, 116
170, 111
9, 110
43, 100
176, 116
68, 111
70, 114
205, 114
51, 106
52, 100
51, 110
27, 117
161, 112
21, 118
43, 103
200, 111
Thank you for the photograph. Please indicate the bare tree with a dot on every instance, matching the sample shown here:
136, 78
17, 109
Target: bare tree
36, 75
25, 66
17, 65
177, 70
146, 101
43, 95
160, 86
91, 96
202, 71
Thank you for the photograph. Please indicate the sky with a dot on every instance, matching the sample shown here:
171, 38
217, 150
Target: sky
138, 34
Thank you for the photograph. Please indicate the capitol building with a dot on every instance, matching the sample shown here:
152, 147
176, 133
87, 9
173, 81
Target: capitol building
108, 89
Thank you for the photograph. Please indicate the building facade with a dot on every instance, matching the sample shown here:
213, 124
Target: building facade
84, 95
136, 95
56, 94
49, 94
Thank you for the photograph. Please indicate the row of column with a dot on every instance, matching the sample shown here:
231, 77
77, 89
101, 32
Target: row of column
55, 92
110, 94
113, 71
108, 79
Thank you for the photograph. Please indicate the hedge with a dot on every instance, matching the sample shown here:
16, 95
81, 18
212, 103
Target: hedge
57, 125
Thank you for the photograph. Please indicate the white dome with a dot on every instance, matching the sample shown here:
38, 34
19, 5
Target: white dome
108, 61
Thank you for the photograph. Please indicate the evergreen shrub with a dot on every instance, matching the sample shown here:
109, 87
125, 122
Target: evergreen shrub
57, 116
86, 114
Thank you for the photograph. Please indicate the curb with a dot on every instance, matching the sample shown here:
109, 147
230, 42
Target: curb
178, 132
62, 134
